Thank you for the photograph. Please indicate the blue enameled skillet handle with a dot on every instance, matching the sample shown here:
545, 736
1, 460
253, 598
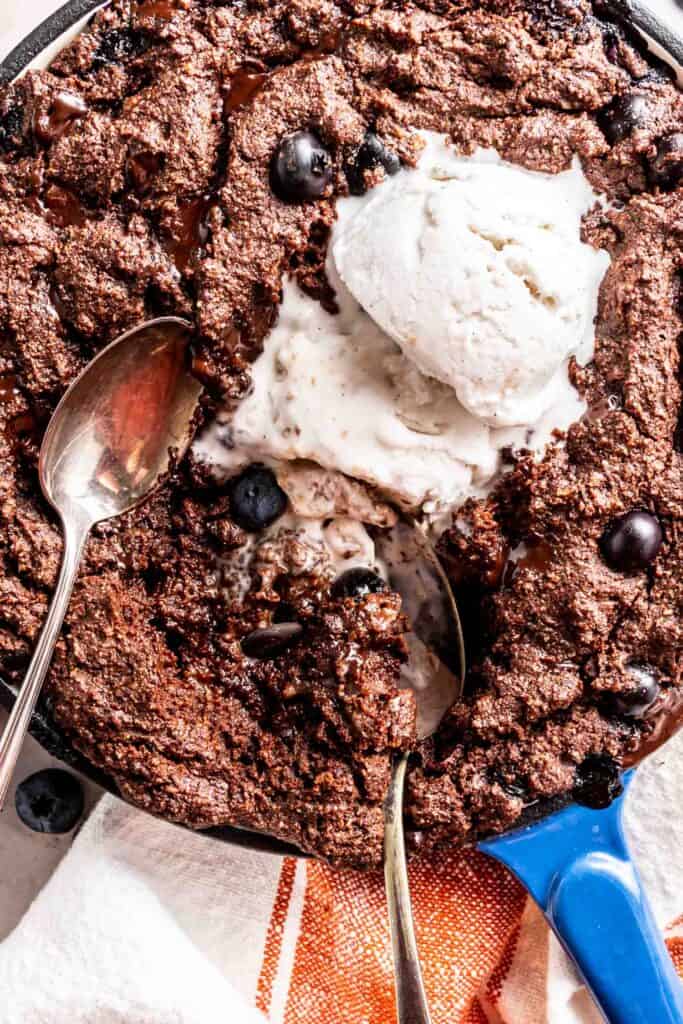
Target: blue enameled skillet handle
577, 867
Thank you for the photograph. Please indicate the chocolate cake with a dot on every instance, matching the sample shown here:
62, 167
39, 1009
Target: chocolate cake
182, 158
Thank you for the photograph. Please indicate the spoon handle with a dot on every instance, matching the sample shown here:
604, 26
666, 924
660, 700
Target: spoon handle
411, 1002
12, 739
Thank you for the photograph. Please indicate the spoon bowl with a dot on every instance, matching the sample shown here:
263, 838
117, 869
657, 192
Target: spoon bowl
435, 671
112, 436
110, 442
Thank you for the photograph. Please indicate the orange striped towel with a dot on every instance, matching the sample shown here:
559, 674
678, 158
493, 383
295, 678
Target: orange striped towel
144, 923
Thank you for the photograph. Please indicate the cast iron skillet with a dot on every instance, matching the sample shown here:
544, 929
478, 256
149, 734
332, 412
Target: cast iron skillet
43, 727
46, 36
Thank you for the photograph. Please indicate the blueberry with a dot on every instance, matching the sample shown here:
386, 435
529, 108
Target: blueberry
118, 45
632, 541
269, 642
50, 801
622, 116
358, 583
301, 168
371, 153
666, 169
598, 782
12, 127
256, 499
633, 703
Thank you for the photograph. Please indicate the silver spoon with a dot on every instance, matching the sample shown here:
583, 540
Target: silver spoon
107, 446
436, 672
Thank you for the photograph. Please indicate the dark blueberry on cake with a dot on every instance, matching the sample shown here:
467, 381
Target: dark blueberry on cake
12, 127
372, 153
301, 169
598, 782
119, 45
666, 169
633, 703
632, 542
623, 116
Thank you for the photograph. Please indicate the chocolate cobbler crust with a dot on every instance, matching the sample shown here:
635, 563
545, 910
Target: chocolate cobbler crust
136, 181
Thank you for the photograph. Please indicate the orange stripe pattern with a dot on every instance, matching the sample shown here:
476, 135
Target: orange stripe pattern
466, 908
275, 935
468, 916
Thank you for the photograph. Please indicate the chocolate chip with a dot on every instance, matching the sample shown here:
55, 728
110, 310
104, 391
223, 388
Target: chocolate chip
66, 107
632, 542
372, 153
598, 782
666, 169
267, 643
256, 499
120, 44
301, 168
357, 583
633, 703
285, 612
622, 116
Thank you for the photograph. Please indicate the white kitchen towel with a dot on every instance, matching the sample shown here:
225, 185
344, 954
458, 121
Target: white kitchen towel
140, 924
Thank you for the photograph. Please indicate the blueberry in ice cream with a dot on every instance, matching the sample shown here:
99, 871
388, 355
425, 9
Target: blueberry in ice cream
256, 499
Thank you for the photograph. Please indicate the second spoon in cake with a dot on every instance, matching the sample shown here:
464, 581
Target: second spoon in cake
435, 671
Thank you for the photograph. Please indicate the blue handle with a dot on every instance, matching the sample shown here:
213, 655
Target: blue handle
577, 867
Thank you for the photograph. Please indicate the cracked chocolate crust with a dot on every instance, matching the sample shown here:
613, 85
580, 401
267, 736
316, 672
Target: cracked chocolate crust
135, 181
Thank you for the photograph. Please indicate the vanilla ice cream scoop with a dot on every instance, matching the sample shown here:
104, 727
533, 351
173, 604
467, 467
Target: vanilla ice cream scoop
462, 287
476, 269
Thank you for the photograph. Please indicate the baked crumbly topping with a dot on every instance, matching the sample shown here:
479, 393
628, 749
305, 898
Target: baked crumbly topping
136, 180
